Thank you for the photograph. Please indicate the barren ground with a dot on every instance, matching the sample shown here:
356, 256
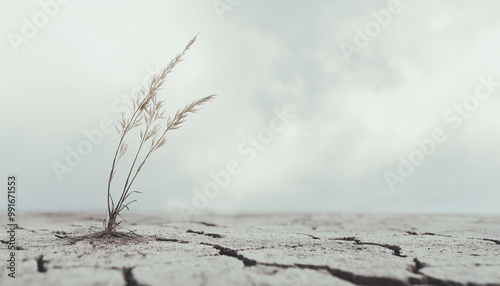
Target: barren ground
264, 249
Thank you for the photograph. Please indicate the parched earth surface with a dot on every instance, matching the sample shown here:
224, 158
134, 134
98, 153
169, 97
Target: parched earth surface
256, 249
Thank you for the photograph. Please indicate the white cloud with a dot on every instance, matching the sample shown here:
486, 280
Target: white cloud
355, 118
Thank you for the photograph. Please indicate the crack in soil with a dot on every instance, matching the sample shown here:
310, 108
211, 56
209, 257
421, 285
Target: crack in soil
311, 236
492, 240
214, 235
30, 230
418, 265
429, 280
86, 266
17, 247
396, 250
204, 243
204, 223
129, 278
341, 274
437, 234
171, 240
338, 273
40, 264
346, 275
446, 235
232, 253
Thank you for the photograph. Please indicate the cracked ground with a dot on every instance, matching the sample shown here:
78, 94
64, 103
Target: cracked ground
263, 249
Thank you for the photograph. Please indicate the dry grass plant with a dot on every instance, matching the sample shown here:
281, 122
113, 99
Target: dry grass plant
148, 116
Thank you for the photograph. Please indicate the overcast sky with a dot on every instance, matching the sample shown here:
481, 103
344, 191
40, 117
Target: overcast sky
321, 105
